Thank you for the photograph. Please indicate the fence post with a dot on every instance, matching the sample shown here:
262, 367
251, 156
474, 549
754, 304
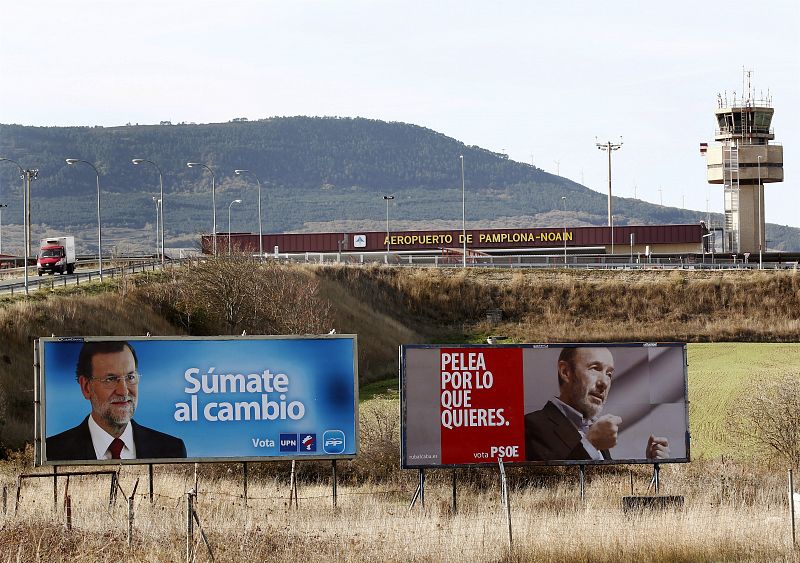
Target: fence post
244, 475
112, 494
68, 510
19, 493
189, 526
791, 504
130, 520
55, 488
507, 502
5, 499
334, 479
454, 491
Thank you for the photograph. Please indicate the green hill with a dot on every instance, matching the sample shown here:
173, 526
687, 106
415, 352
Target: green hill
317, 173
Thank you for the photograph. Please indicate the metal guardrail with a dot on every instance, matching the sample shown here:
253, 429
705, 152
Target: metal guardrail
50, 282
599, 261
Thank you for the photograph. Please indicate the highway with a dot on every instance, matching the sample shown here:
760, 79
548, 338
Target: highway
15, 284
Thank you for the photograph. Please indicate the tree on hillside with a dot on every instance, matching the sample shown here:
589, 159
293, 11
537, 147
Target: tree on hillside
767, 417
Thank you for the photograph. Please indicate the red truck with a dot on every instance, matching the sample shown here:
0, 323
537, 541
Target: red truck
56, 254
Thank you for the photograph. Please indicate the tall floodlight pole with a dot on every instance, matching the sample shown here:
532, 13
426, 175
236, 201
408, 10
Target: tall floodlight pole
609, 146
2, 205
463, 214
159, 203
260, 234
564, 201
71, 162
213, 202
387, 198
26, 175
229, 223
760, 264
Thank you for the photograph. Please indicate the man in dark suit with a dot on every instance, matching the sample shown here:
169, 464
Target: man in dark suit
569, 427
107, 372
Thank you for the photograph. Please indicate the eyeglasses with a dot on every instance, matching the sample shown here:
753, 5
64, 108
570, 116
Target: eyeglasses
130, 380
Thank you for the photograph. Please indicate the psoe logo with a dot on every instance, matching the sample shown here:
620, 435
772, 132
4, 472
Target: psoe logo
308, 442
333, 442
288, 442
359, 241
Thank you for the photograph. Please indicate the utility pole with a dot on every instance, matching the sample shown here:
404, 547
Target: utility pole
609, 146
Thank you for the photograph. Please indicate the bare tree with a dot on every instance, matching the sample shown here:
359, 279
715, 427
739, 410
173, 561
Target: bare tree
231, 294
768, 417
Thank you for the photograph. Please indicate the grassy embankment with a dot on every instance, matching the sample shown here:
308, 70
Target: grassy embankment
734, 511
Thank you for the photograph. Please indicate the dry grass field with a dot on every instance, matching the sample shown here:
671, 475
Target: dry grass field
731, 513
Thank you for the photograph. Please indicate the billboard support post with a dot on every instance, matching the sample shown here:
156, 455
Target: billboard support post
150, 479
656, 473
582, 474
420, 492
454, 491
244, 482
333, 481
196, 468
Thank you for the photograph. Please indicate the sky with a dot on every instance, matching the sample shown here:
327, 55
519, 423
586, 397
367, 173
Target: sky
541, 81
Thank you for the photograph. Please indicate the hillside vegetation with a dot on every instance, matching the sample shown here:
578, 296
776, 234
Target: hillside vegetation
317, 173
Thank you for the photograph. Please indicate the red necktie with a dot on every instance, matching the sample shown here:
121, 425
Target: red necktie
116, 447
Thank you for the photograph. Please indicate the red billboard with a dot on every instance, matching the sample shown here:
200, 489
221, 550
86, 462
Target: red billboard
543, 403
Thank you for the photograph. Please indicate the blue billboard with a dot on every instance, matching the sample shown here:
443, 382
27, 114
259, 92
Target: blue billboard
173, 399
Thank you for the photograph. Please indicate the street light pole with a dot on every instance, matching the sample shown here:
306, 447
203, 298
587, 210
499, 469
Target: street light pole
73, 161
463, 214
260, 234
213, 202
609, 146
26, 175
229, 223
760, 264
160, 202
2, 205
387, 198
564, 201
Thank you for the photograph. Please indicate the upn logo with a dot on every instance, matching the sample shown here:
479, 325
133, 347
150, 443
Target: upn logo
308, 442
288, 442
333, 442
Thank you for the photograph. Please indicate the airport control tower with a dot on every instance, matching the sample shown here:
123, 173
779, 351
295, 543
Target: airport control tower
743, 161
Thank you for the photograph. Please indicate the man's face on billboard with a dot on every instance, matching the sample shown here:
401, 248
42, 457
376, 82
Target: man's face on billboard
113, 401
586, 382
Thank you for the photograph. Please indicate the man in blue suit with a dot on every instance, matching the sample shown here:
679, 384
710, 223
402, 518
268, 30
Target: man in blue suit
107, 373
